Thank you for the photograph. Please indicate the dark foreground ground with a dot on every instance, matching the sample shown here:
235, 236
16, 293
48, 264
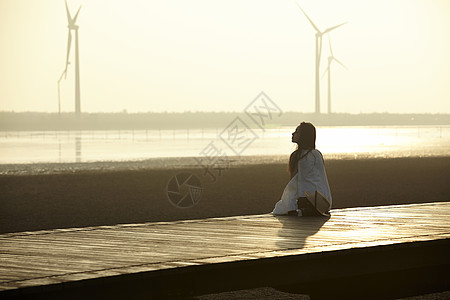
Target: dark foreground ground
87, 198
271, 293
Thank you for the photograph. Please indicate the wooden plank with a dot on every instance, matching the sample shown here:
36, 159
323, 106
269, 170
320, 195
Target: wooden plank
44, 257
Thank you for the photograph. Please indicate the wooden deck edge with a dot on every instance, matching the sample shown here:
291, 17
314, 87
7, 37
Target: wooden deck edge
306, 272
389, 206
244, 256
73, 229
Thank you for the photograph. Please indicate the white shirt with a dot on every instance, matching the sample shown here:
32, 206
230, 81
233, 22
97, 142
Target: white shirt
311, 176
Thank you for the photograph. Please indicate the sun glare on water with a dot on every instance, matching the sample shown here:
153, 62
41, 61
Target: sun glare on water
383, 141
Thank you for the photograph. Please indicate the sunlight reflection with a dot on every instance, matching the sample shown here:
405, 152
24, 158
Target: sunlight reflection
128, 145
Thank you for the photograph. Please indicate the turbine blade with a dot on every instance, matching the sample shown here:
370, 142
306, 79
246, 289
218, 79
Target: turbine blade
69, 18
338, 61
332, 28
329, 42
62, 74
310, 21
69, 42
325, 72
76, 16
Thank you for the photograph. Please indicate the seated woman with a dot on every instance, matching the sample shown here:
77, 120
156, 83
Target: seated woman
308, 175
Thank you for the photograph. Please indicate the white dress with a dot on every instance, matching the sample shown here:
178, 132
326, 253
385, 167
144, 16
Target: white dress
311, 177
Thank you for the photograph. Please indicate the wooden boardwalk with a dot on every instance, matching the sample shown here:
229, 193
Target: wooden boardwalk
209, 255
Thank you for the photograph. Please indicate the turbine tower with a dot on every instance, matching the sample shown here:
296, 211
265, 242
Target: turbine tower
319, 35
72, 26
331, 58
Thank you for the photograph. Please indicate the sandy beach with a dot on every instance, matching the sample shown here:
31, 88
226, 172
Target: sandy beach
82, 198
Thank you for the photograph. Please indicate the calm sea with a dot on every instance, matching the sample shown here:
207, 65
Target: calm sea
30, 147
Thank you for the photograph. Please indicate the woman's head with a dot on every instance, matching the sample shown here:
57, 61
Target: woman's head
305, 136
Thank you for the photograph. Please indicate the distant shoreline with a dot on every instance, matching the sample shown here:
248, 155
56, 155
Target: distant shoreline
37, 121
170, 163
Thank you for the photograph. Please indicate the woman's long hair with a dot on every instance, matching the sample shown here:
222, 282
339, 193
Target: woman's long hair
307, 141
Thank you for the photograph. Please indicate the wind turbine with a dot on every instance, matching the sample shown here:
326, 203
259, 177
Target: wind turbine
72, 26
331, 58
319, 35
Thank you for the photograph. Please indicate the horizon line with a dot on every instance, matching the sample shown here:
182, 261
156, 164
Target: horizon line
224, 112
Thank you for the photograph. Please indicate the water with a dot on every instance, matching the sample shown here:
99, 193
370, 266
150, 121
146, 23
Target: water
31, 147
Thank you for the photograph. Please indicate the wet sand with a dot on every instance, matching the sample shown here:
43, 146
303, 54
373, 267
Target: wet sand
79, 197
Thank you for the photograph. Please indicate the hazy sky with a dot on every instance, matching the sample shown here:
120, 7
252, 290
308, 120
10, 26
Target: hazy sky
209, 55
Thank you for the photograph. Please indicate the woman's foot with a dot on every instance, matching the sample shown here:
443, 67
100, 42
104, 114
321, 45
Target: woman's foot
292, 213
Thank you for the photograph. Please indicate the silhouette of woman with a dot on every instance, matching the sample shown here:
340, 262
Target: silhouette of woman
312, 175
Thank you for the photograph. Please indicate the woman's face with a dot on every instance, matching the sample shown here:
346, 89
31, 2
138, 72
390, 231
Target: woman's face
296, 135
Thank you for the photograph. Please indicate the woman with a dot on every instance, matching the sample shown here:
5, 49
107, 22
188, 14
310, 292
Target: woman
307, 172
